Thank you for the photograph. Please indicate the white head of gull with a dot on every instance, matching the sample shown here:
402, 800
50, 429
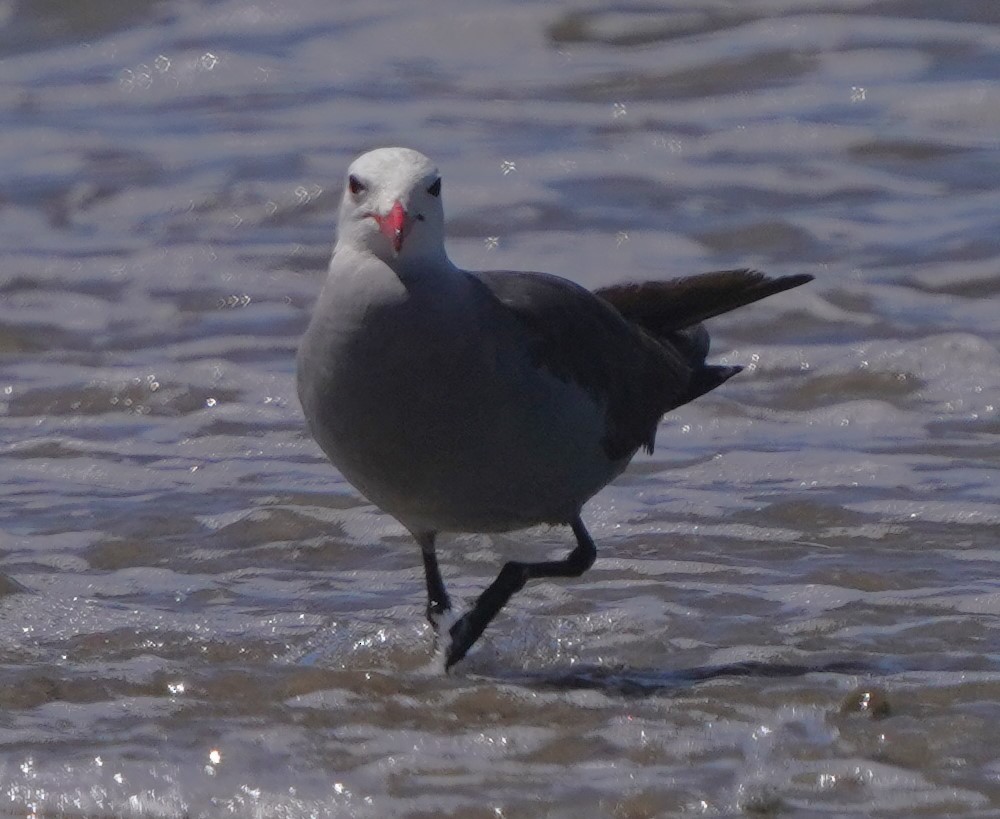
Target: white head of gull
463, 401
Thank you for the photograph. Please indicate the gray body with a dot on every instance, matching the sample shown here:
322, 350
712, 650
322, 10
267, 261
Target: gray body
423, 391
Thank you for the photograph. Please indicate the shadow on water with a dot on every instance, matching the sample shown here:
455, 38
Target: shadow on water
645, 682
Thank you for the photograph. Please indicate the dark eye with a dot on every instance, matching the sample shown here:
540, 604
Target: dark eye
356, 185
435, 189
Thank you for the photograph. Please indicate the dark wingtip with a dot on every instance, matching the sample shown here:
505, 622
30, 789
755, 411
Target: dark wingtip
778, 284
710, 377
663, 307
723, 374
796, 279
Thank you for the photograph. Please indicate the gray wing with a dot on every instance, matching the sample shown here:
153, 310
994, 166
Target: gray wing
581, 338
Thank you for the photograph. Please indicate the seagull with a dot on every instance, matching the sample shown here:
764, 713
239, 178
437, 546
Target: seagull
460, 401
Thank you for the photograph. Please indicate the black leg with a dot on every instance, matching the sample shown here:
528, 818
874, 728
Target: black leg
511, 579
438, 601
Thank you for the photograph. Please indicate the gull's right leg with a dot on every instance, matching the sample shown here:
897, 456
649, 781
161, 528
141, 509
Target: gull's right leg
438, 602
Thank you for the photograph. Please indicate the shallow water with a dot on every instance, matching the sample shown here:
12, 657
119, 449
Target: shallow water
795, 604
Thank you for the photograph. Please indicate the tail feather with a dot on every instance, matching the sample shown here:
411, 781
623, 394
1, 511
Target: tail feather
669, 315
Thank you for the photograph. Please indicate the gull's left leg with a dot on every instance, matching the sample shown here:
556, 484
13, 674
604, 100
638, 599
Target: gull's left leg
511, 579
